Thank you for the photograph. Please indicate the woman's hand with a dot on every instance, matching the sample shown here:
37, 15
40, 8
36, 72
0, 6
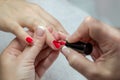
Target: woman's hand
106, 52
17, 14
22, 62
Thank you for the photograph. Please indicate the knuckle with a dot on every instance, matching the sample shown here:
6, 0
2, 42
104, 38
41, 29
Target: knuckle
50, 27
13, 26
91, 22
93, 75
55, 22
33, 22
88, 20
15, 29
37, 45
100, 75
106, 74
35, 6
28, 9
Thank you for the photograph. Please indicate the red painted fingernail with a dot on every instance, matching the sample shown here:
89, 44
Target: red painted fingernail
56, 44
62, 43
29, 40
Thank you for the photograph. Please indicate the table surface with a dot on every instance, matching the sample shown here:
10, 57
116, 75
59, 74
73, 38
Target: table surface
70, 17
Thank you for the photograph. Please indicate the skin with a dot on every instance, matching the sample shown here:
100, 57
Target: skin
17, 14
22, 62
19, 61
106, 52
15, 58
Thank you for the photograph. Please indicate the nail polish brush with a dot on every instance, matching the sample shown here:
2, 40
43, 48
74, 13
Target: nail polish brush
81, 47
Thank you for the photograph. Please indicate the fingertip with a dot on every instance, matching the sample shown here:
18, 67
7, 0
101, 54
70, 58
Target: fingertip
29, 40
50, 40
39, 35
65, 51
25, 37
58, 44
22, 34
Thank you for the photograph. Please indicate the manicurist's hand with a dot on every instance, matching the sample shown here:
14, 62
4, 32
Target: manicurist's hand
22, 62
106, 52
17, 14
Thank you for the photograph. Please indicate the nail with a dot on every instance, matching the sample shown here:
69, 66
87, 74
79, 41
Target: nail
65, 50
62, 42
56, 44
40, 31
29, 40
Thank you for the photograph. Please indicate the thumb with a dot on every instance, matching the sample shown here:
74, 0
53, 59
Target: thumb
93, 29
39, 40
21, 34
79, 62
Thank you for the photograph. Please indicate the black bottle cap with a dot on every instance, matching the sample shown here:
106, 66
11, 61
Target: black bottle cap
85, 48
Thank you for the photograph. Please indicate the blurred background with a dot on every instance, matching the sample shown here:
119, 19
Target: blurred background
105, 10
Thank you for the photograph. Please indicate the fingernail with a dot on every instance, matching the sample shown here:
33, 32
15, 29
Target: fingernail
29, 40
63, 42
40, 31
56, 44
65, 50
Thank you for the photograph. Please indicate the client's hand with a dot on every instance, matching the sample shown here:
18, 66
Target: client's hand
17, 14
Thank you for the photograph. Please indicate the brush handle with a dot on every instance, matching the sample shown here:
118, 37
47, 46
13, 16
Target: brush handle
85, 48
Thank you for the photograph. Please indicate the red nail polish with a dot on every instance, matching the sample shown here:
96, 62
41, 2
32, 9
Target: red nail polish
62, 43
56, 44
29, 39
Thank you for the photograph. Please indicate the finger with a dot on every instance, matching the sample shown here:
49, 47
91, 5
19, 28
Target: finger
48, 18
42, 55
79, 62
30, 33
96, 53
59, 35
18, 44
62, 35
81, 33
20, 33
39, 41
50, 29
46, 63
32, 22
15, 48
50, 41
92, 28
